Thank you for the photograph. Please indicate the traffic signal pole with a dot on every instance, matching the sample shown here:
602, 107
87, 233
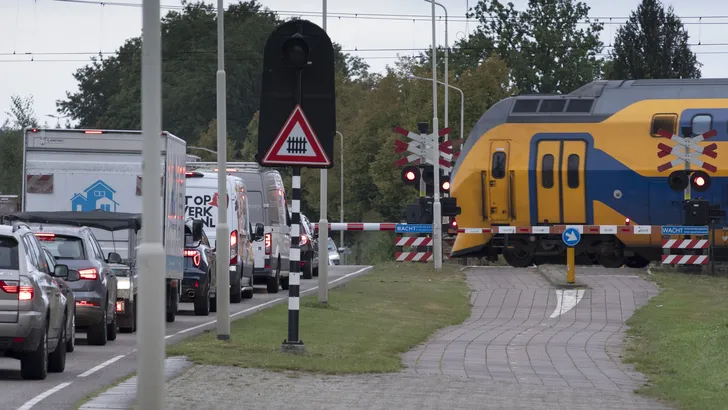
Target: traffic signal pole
436, 210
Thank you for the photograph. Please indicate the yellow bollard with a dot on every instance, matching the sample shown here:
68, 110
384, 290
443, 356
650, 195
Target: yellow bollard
570, 265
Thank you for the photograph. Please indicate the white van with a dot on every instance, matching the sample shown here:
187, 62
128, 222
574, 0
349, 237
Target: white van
201, 202
267, 203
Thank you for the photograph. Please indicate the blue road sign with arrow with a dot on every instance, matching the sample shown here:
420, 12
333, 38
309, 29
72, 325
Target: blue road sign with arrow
571, 236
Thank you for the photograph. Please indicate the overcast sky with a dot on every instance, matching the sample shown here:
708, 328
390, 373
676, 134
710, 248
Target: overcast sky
43, 42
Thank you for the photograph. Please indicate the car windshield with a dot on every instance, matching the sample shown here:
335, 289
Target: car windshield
51, 259
63, 247
332, 245
9, 253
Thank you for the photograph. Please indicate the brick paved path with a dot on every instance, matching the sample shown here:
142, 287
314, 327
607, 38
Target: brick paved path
511, 335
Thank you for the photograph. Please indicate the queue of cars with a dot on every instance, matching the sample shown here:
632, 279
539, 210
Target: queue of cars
70, 266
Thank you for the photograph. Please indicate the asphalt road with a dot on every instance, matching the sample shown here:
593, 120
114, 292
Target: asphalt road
90, 368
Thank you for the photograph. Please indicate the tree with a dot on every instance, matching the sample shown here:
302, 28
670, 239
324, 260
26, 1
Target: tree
543, 47
652, 44
22, 113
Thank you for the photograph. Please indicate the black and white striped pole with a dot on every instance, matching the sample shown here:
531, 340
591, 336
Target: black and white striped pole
293, 344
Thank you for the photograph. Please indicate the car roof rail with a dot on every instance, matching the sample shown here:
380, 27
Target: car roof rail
19, 225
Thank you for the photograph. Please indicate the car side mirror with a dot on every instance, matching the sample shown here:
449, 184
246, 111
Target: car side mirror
341, 250
259, 230
73, 276
114, 258
197, 230
61, 271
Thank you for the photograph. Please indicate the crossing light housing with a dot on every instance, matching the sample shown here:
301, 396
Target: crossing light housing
444, 183
450, 206
700, 181
411, 176
678, 180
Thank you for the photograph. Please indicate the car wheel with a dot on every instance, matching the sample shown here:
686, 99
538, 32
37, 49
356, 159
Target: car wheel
202, 304
97, 334
34, 365
315, 271
284, 283
112, 327
307, 272
71, 342
57, 359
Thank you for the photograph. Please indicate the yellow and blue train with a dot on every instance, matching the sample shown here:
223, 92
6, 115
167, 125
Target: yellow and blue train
586, 158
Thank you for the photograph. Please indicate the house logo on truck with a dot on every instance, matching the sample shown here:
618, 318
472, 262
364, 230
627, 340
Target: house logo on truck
98, 196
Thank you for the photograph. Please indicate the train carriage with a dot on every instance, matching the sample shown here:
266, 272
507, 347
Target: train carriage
586, 158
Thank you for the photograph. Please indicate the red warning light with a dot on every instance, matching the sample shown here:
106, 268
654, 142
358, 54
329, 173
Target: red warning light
410, 176
699, 181
626, 221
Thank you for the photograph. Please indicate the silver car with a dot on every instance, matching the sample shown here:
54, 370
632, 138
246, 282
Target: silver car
34, 313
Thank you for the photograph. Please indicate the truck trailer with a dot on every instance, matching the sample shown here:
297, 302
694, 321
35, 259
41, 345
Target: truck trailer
85, 170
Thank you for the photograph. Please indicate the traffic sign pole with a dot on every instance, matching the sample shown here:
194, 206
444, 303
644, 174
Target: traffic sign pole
570, 265
323, 236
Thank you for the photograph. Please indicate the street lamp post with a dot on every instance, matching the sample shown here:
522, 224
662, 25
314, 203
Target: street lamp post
436, 209
151, 255
462, 101
222, 241
323, 288
341, 209
447, 75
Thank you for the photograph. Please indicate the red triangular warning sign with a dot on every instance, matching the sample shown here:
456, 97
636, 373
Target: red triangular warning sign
296, 144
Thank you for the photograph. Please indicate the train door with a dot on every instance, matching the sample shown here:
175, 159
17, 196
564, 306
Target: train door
498, 182
561, 189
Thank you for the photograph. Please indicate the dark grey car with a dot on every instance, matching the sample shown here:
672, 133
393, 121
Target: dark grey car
33, 310
96, 290
70, 300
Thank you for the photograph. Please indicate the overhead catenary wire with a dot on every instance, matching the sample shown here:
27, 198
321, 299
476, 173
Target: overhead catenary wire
393, 16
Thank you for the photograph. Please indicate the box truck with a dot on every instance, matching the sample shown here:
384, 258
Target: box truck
85, 170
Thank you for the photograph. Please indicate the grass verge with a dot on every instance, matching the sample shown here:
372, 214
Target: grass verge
679, 341
366, 325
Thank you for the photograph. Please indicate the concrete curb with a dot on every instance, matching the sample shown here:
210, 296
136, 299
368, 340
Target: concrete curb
556, 276
123, 396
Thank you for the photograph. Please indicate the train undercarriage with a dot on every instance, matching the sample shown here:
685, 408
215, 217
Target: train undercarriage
604, 250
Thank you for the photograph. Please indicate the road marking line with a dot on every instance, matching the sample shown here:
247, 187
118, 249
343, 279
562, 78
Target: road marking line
37, 399
566, 300
101, 366
265, 304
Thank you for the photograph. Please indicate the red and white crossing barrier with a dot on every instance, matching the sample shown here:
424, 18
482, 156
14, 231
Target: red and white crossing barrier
559, 229
685, 259
359, 226
413, 241
685, 244
413, 256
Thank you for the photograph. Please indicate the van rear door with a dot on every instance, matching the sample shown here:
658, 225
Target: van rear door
9, 279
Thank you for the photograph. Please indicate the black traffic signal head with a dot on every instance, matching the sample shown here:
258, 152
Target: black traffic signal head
700, 181
423, 127
298, 50
449, 206
295, 52
428, 174
411, 176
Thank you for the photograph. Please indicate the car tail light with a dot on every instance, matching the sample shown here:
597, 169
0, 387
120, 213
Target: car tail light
304, 240
233, 238
24, 289
9, 286
195, 255
88, 274
267, 244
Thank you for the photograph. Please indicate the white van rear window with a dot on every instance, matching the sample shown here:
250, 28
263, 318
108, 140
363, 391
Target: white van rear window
255, 207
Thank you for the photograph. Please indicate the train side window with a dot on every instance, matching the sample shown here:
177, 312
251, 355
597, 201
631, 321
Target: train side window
572, 171
665, 122
547, 171
499, 165
702, 123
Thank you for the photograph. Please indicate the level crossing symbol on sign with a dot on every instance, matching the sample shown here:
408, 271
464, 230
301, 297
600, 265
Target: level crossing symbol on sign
296, 143
571, 236
687, 150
